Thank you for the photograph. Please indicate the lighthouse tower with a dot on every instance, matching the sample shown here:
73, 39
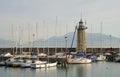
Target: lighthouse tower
81, 37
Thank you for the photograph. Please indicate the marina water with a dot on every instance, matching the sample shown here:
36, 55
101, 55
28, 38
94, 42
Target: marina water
97, 69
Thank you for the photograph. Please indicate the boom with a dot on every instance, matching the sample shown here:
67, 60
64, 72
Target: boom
73, 39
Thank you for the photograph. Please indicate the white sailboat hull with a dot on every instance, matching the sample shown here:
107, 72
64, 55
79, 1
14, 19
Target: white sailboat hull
26, 64
80, 60
47, 65
37, 64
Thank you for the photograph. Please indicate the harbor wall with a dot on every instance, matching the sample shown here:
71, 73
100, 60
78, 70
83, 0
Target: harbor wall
52, 50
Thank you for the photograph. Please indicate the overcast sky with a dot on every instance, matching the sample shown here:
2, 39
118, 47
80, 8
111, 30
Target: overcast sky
68, 12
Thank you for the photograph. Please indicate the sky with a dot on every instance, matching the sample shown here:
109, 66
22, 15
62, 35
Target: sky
65, 13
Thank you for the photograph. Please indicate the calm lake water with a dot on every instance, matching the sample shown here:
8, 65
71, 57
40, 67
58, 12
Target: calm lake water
98, 69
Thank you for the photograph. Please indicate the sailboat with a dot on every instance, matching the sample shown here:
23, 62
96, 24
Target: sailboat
11, 60
93, 57
101, 57
19, 61
37, 63
80, 60
27, 62
2, 63
48, 64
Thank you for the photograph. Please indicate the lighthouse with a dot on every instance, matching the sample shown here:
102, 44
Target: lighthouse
81, 37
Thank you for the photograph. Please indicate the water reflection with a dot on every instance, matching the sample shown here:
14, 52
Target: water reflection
99, 69
78, 70
44, 72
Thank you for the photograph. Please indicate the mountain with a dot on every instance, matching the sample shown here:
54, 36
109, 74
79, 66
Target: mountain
5, 43
98, 39
93, 40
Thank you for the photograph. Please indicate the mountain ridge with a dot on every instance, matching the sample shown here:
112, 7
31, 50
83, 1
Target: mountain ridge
95, 40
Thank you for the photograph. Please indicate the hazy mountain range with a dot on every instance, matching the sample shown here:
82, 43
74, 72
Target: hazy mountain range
95, 40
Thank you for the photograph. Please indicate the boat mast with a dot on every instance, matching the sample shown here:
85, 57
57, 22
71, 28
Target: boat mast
16, 38
48, 43
21, 40
101, 37
60, 39
43, 36
29, 39
37, 38
56, 34
12, 39
66, 37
